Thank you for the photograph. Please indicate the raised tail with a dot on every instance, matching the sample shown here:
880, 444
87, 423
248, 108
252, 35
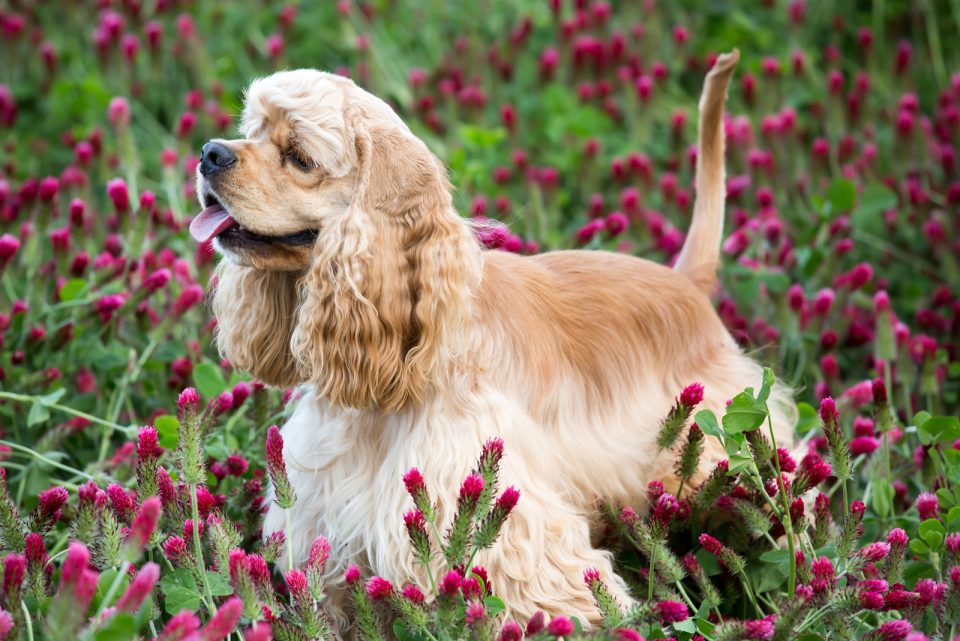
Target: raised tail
700, 255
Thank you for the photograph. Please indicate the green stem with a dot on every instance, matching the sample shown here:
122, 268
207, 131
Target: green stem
685, 596
787, 521
653, 557
933, 38
289, 534
198, 550
112, 590
753, 600
40, 457
26, 398
27, 620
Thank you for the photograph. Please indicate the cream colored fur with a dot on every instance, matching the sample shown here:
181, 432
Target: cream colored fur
415, 345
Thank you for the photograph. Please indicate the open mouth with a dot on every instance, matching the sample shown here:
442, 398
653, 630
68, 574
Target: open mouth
216, 222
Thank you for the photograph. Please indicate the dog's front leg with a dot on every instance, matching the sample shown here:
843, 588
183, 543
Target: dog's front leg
539, 561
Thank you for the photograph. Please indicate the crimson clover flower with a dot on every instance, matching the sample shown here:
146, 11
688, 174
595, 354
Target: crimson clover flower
560, 627
672, 612
928, 506
672, 425
378, 588
277, 468
223, 622
727, 557
139, 589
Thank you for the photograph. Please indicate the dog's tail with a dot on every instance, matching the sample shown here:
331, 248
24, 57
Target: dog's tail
700, 255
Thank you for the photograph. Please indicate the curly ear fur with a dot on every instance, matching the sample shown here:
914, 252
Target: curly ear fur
255, 311
385, 303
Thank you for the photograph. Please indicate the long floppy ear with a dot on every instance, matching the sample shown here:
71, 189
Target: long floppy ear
386, 301
255, 312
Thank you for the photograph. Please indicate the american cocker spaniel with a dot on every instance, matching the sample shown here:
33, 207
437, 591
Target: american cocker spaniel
347, 270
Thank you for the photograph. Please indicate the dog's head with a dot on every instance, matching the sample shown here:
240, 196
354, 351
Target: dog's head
345, 264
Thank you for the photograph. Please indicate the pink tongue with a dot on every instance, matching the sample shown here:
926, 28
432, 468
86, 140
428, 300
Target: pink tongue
210, 222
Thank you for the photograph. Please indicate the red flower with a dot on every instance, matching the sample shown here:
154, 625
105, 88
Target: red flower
188, 400
119, 194
511, 631
277, 469
9, 246
140, 588
14, 567
223, 622
319, 553
691, 395
352, 575
471, 488
118, 112
875, 552
450, 583
591, 576
413, 594
296, 583
864, 445
378, 588
190, 296
508, 500
562, 626
145, 522
182, 626
928, 506
672, 612
760, 630
48, 511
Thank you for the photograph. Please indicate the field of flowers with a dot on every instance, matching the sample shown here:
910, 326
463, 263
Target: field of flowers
136, 462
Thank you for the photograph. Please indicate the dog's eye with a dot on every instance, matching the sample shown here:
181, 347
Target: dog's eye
298, 162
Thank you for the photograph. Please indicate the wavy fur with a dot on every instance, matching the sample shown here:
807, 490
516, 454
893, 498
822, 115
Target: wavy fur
415, 345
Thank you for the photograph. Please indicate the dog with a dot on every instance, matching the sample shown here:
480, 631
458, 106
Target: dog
346, 270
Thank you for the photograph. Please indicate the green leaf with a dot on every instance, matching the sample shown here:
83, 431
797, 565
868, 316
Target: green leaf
577, 625
842, 195
73, 289
921, 417
874, 200
687, 625
737, 463
404, 633
217, 449
494, 605
807, 418
706, 628
209, 379
778, 556
38, 414
953, 518
480, 137
219, 585
932, 533
707, 422
53, 397
952, 457
881, 497
776, 282
180, 591
745, 413
939, 429
168, 430
945, 496
767, 385
121, 627
918, 546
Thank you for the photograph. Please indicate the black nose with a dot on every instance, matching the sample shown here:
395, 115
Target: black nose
215, 156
